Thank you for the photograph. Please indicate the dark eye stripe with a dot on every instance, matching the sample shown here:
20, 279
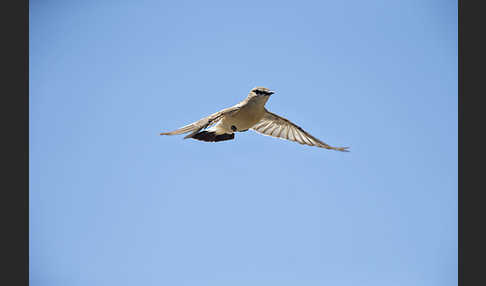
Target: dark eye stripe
261, 92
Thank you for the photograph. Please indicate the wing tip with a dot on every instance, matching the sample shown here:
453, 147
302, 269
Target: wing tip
342, 149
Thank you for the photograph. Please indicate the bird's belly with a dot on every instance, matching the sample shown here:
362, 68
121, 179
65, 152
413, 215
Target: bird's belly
245, 118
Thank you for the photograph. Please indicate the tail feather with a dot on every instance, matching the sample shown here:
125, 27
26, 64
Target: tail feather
210, 136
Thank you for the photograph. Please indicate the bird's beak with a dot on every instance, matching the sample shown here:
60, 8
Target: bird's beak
271, 92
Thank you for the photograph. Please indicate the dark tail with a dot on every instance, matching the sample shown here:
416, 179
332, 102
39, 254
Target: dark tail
213, 137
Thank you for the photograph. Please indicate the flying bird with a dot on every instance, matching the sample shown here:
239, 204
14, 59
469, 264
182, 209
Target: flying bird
249, 114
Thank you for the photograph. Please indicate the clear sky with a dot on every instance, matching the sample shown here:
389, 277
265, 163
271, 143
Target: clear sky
114, 203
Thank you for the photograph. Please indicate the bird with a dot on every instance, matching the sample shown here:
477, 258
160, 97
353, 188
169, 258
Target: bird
249, 114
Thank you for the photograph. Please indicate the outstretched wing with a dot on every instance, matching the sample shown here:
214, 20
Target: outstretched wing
277, 126
203, 123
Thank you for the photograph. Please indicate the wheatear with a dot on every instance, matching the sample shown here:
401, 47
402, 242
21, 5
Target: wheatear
249, 114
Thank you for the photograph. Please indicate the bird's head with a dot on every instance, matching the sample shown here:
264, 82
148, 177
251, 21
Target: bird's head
261, 91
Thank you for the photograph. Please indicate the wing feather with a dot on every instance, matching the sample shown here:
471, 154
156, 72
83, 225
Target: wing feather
291, 135
280, 127
203, 123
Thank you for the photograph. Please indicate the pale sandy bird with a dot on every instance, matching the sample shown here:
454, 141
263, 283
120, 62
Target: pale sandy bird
249, 114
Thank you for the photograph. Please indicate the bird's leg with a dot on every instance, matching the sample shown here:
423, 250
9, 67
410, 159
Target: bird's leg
233, 127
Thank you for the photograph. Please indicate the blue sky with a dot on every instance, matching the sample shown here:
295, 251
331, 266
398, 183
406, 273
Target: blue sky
114, 203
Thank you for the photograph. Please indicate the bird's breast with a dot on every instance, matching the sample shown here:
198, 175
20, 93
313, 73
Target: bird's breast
246, 117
